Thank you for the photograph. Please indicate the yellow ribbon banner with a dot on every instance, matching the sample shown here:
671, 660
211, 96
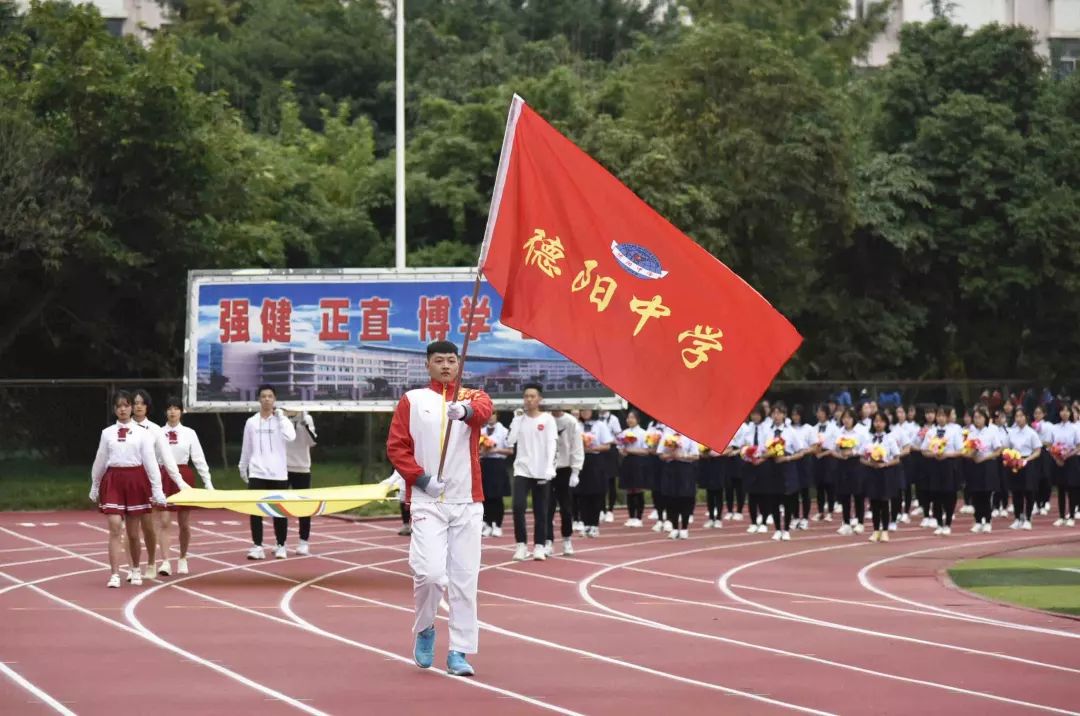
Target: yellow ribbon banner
284, 502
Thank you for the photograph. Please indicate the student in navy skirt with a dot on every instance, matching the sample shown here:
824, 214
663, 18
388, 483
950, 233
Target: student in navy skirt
1045, 430
781, 477
982, 452
733, 485
942, 448
1023, 482
805, 467
680, 456
712, 479
751, 452
1065, 467
655, 467
999, 500
634, 468
824, 463
881, 461
847, 449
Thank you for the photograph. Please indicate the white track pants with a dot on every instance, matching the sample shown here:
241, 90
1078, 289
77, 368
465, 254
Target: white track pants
444, 556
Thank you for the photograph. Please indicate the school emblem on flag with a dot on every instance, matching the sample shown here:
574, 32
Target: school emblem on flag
637, 261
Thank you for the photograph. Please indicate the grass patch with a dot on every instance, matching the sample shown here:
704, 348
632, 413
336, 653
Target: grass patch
37, 485
1046, 584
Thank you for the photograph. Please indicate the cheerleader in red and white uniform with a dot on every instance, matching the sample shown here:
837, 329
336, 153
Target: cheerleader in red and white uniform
125, 480
140, 411
185, 447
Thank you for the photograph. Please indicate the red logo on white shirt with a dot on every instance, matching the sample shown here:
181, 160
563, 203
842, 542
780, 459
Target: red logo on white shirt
173, 438
540, 427
121, 434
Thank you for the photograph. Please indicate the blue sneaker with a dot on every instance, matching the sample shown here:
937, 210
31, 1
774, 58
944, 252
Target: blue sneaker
424, 651
458, 665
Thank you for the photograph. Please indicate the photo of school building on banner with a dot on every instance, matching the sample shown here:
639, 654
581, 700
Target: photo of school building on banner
354, 340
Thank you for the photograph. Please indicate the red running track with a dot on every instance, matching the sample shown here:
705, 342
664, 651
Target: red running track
724, 622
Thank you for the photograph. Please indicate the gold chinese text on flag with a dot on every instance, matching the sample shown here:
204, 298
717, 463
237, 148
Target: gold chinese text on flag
592, 271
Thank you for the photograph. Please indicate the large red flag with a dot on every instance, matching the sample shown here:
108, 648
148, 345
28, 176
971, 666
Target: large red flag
588, 268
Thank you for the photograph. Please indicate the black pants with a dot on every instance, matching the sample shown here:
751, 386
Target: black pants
826, 498
494, 511
679, 511
1068, 499
561, 500
658, 503
733, 495
301, 481
612, 493
281, 525
1023, 503
981, 500
944, 507
804, 500
714, 504
635, 505
853, 507
1000, 499
879, 511
754, 507
905, 498
539, 489
406, 514
591, 507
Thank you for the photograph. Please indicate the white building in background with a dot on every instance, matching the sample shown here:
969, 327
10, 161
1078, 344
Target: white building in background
1056, 23
141, 18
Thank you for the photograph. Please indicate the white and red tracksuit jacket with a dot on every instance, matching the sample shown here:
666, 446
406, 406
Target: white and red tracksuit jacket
415, 442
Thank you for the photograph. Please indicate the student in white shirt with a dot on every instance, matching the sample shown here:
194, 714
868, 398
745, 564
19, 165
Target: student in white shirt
1066, 469
594, 473
124, 481
880, 478
942, 448
263, 464
825, 466
493, 471
569, 459
140, 416
185, 447
805, 467
613, 455
634, 470
1023, 482
849, 480
1045, 429
535, 435
981, 466
779, 484
298, 466
680, 456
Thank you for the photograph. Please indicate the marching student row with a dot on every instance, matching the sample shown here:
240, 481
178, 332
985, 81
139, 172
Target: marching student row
901, 467
139, 464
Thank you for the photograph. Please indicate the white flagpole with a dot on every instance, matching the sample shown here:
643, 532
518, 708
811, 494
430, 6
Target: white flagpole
500, 175
399, 145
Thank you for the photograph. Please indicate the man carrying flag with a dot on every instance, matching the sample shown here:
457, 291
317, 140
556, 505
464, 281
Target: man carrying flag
566, 238
447, 502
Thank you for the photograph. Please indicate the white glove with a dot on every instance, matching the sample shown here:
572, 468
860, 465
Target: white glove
309, 423
208, 484
388, 481
455, 411
432, 486
158, 497
574, 478
244, 475
94, 493
279, 413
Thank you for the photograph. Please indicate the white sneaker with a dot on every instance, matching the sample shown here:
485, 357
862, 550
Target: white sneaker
1059, 522
868, 515
860, 528
995, 513
708, 525
1012, 509
674, 534
785, 536
549, 549
135, 577
828, 517
884, 536
752, 529
521, 553
804, 524
837, 509
567, 547
280, 552
114, 581
763, 529
845, 530
769, 520
303, 549
987, 528
496, 531
629, 523
946, 531
182, 566
684, 534
892, 527
729, 516
690, 520
939, 531
149, 572
777, 536
967, 510
932, 522
976, 528
668, 526
593, 531
609, 517
1017, 524
1045, 510
654, 515
658, 527
905, 518
738, 517
485, 531
1070, 522
916, 511
165, 569
1027, 524
256, 552
717, 524
875, 537
817, 517
539, 553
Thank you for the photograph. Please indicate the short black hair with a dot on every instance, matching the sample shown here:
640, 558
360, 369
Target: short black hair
174, 402
441, 347
121, 395
533, 386
266, 386
140, 393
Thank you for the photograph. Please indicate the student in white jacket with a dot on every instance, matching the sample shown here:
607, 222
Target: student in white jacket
535, 435
151, 525
263, 464
298, 465
185, 447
